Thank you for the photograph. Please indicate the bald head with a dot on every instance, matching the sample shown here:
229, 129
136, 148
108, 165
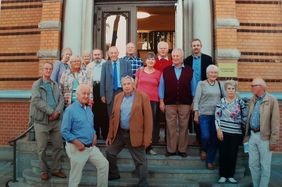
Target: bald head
130, 49
113, 53
258, 86
163, 49
83, 93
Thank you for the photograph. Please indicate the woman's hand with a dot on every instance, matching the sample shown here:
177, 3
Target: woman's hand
219, 134
196, 117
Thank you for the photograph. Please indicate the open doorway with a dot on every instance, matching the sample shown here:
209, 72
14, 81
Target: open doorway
154, 24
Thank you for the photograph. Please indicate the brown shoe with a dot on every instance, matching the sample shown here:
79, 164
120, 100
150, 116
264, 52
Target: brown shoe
59, 174
210, 166
203, 155
44, 176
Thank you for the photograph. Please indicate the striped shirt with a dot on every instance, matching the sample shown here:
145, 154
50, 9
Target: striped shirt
230, 117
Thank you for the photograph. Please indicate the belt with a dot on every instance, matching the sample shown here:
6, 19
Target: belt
125, 130
88, 145
255, 129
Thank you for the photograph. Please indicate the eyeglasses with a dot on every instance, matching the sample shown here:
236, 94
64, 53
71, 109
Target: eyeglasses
50, 69
255, 85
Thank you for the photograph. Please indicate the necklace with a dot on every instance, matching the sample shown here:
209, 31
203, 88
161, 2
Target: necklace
210, 83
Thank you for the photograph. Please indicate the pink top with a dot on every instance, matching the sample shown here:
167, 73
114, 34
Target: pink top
148, 83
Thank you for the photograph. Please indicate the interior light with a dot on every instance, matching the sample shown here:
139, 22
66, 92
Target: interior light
142, 15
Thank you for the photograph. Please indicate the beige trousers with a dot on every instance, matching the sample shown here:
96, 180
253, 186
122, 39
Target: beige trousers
78, 160
173, 114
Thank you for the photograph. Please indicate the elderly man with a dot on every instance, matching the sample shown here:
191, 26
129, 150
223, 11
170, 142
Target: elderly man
112, 72
262, 130
135, 61
73, 77
47, 104
162, 60
199, 62
77, 129
94, 70
61, 66
175, 100
130, 126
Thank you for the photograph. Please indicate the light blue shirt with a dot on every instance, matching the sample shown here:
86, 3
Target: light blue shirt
177, 72
58, 69
196, 66
125, 111
255, 117
49, 92
118, 72
78, 123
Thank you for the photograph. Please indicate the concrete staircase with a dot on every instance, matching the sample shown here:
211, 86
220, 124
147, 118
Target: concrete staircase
173, 171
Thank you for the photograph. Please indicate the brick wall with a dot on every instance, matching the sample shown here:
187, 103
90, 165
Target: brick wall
13, 119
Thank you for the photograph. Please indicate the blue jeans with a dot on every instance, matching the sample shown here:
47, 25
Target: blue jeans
209, 140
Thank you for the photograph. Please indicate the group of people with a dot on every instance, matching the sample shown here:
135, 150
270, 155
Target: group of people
122, 100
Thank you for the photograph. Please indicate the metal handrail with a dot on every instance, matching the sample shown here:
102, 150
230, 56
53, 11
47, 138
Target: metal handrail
13, 142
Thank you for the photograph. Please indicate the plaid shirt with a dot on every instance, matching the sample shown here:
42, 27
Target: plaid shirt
135, 62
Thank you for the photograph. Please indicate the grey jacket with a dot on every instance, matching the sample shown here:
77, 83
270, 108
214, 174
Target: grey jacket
106, 84
39, 109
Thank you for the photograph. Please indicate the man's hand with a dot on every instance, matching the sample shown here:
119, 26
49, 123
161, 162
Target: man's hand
54, 116
90, 102
219, 134
103, 99
272, 147
196, 117
162, 106
78, 145
94, 140
108, 141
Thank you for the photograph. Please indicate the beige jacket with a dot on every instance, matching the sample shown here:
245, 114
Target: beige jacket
269, 119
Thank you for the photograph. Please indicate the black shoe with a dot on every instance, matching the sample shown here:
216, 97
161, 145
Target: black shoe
114, 177
182, 154
170, 154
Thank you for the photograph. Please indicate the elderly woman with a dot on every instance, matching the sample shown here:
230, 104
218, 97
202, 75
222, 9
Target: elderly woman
71, 78
147, 80
230, 118
86, 60
61, 66
208, 94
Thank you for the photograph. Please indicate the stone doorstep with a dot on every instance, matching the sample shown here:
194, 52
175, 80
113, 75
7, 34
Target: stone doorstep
187, 173
87, 181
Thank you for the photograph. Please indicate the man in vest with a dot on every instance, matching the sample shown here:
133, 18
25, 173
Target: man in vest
175, 100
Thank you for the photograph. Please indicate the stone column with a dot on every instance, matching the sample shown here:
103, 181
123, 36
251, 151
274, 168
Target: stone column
87, 26
202, 24
73, 26
179, 25
187, 26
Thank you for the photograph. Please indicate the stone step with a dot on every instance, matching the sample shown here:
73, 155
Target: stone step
34, 181
199, 173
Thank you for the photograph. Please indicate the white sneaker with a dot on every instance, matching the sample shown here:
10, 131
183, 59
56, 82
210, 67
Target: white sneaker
152, 152
222, 180
232, 180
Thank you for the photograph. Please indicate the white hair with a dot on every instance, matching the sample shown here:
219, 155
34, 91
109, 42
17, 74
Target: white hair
127, 77
178, 50
212, 67
260, 82
80, 86
162, 43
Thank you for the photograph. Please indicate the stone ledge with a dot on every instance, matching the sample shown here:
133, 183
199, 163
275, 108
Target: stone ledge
48, 54
50, 25
227, 54
227, 23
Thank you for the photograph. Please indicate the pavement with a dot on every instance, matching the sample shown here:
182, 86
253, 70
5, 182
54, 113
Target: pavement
6, 173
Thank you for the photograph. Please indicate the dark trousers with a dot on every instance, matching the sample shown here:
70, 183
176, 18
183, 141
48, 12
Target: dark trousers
156, 125
228, 149
194, 128
101, 122
137, 153
110, 105
209, 140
